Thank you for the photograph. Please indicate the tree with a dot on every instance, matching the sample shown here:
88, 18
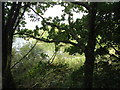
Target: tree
60, 32
109, 33
11, 16
89, 50
81, 34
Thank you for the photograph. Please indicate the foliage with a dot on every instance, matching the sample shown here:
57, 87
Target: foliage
107, 72
76, 32
72, 50
77, 78
37, 69
67, 72
108, 24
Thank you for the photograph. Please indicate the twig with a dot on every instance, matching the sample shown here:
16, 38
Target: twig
53, 57
115, 49
24, 56
108, 52
48, 23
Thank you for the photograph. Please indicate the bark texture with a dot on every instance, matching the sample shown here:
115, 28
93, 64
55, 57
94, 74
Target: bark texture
7, 38
89, 50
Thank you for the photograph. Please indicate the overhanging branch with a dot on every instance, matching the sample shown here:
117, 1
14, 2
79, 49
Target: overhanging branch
82, 4
50, 41
48, 23
58, 27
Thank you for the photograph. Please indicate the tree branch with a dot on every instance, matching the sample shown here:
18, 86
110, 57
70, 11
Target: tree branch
108, 52
48, 23
60, 28
12, 18
71, 30
48, 41
115, 49
17, 23
24, 56
10, 15
82, 4
16, 14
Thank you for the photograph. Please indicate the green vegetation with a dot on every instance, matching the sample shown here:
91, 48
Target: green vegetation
66, 71
34, 70
68, 52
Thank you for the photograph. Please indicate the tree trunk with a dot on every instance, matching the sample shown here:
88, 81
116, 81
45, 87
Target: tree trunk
88, 70
8, 81
89, 50
7, 37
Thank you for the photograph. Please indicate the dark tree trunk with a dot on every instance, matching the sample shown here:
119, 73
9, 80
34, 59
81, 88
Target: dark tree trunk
88, 70
89, 50
7, 37
8, 81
